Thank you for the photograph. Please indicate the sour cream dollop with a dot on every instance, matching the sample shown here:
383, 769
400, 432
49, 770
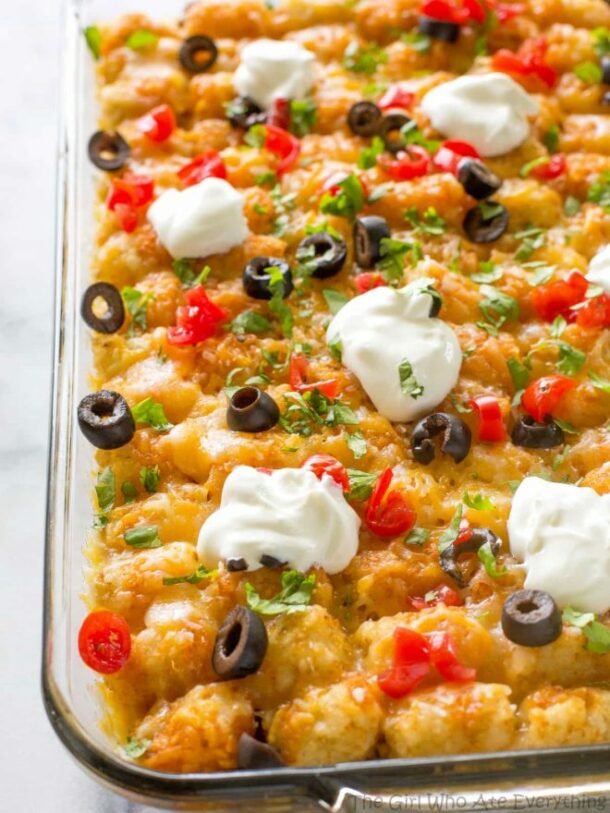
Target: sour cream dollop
379, 330
274, 69
599, 269
561, 533
489, 111
289, 514
207, 218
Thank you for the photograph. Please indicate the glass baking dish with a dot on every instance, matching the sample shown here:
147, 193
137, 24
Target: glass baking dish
561, 778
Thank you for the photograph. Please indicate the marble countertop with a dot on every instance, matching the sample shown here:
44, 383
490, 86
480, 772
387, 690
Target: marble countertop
38, 775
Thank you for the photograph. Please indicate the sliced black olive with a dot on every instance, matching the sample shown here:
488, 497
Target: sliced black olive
478, 180
105, 419
456, 437
437, 301
271, 561
450, 555
198, 54
241, 112
532, 435
256, 279
368, 233
389, 131
113, 317
364, 119
108, 151
241, 644
482, 229
252, 410
326, 252
439, 29
252, 754
606, 70
531, 618
236, 565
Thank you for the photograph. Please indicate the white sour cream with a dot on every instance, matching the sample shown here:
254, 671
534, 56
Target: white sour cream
561, 533
599, 269
289, 514
489, 111
274, 69
384, 327
207, 218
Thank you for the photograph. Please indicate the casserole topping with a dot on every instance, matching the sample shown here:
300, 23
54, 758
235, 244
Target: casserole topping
274, 69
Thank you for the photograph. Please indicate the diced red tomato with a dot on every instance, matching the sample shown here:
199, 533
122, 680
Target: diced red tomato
443, 594
444, 657
396, 96
595, 313
281, 143
559, 297
388, 513
491, 424
464, 534
196, 321
158, 124
127, 194
412, 162
127, 216
450, 155
207, 165
279, 115
469, 11
322, 464
554, 168
297, 374
411, 663
528, 61
447, 10
104, 641
542, 396
369, 280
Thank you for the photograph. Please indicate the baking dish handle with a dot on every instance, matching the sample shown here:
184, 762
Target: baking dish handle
525, 796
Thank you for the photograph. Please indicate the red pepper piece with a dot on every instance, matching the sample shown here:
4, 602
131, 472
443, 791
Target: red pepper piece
491, 424
388, 514
297, 373
207, 165
322, 464
443, 594
369, 280
197, 320
411, 663
595, 313
412, 162
396, 96
104, 641
279, 115
559, 297
127, 194
554, 168
450, 155
528, 61
158, 124
541, 397
284, 145
444, 658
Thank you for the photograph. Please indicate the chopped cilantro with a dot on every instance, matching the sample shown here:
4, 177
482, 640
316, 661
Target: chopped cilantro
419, 42
146, 536
570, 359
347, 202
150, 477
600, 383
105, 490
256, 136
183, 269
571, 206
277, 305
497, 308
566, 426
294, 596
478, 501
361, 484
486, 555
490, 209
411, 134
601, 40
93, 38
449, 536
408, 383
551, 138
303, 113
152, 413
488, 272
418, 536
249, 322
364, 59
192, 578
307, 410
596, 633
136, 303
136, 748
520, 374
532, 239
336, 348
599, 192
140, 39
356, 443
393, 253
368, 156
589, 72
129, 492
558, 326
268, 178
378, 192
431, 223
334, 299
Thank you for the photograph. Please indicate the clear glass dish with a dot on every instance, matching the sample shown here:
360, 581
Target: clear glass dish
570, 778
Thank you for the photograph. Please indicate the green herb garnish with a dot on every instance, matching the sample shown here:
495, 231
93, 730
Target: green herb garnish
146, 536
249, 322
152, 413
150, 477
347, 202
136, 303
303, 113
334, 299
478, 501
408, 383
294, 597
140, 39
136, 748
361, 484
596, 633
356, 443
365, 59
193, 578
418, 536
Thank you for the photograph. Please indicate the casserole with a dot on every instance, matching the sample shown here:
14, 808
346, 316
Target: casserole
72, 710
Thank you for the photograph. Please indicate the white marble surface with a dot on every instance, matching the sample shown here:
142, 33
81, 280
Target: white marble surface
36, 774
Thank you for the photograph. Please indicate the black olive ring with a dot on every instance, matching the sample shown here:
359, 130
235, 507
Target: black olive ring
390, 125
456, 437
329, 254
480, 230
368, 233
439, 29
450, 555
532, 435
105, 419
478, 180
364, 119
113, 318
252, 410
252, 754
531, 618
192, 54
244, 112
236, 565
241, 644
256, 279
108, 151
